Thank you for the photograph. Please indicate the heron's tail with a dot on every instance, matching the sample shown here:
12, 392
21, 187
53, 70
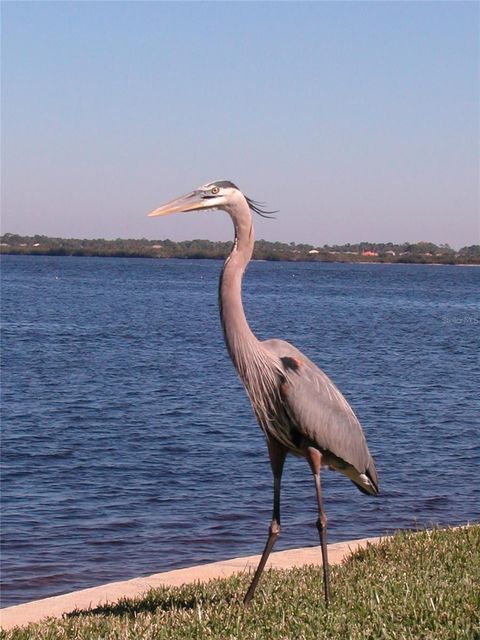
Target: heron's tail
368, 482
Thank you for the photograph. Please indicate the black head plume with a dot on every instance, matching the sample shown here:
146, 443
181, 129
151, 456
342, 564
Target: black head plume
226, 184
258, 207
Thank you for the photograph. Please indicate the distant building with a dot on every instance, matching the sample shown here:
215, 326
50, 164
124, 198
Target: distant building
369, 253
313, 251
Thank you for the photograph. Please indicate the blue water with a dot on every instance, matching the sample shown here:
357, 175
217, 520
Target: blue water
129, 446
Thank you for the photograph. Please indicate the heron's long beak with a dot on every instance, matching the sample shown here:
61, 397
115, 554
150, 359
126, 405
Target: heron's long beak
189, 202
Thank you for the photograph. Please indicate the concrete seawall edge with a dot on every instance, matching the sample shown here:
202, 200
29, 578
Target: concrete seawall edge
56, 606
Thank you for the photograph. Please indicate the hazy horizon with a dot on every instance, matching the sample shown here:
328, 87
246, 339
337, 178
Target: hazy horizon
261, 239
357, 121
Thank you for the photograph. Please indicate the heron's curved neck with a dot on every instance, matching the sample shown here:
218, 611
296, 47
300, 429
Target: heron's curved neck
238, 335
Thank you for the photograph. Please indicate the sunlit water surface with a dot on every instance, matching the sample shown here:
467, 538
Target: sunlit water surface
129, 446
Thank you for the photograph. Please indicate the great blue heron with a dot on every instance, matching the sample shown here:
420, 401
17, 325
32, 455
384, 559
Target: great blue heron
297, 406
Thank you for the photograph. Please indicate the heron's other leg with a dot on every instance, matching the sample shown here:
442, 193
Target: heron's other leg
277, 454
314, 458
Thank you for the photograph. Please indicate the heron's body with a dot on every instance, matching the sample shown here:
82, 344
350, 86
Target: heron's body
341, 441
297, 406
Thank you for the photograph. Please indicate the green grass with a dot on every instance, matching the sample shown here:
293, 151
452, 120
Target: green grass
414, 586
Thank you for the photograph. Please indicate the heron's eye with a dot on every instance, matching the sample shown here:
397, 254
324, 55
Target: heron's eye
214, 190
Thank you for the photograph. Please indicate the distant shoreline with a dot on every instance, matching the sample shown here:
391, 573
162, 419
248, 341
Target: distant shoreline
361, 253
186, 258
133, 257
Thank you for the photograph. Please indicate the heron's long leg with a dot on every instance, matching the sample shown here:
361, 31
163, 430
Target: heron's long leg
277, 454
314, 458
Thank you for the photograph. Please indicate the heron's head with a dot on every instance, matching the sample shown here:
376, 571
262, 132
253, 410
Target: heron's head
221, 194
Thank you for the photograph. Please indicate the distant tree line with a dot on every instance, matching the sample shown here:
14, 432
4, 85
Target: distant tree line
420, 252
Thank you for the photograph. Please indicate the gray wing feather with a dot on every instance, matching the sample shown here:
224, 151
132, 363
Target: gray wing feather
321, 413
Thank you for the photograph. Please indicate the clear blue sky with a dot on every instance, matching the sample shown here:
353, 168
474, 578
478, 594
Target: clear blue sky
358, 121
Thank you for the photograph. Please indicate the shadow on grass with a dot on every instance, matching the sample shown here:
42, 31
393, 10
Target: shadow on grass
151, 602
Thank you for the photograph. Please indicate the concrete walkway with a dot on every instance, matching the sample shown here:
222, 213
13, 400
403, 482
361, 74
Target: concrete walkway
56, 606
